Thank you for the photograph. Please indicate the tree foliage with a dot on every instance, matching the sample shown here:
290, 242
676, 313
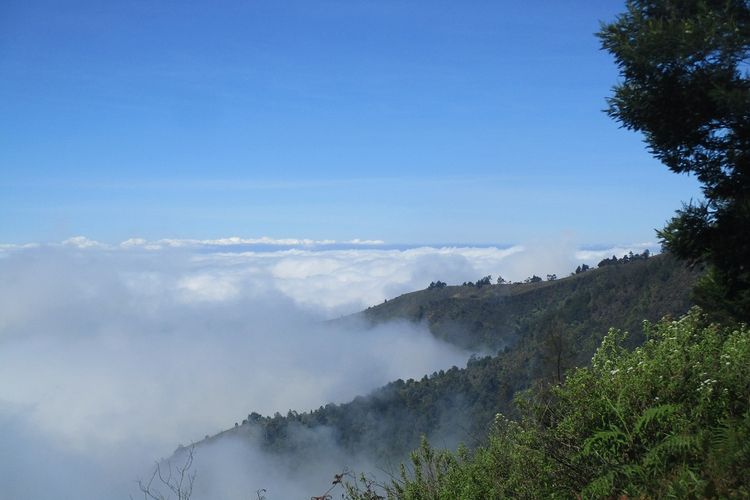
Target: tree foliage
685, 86
630, 257
669, 419
437, 284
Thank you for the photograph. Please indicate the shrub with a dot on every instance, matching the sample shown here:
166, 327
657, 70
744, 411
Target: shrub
669, 419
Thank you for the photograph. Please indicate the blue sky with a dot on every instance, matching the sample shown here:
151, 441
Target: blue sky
404, 121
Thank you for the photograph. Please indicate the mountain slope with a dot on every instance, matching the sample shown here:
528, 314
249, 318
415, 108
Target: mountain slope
538, 331
496, 316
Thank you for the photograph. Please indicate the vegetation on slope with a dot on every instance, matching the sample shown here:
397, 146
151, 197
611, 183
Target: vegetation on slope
584, 305
669, 419
556, 325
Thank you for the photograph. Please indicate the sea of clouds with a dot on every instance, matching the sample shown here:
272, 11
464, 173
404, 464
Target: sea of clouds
113, 354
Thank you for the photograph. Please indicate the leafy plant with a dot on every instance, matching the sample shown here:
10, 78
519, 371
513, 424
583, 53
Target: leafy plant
668, 419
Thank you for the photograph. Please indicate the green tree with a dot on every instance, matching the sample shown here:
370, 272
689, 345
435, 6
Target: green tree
487, 280
685, 86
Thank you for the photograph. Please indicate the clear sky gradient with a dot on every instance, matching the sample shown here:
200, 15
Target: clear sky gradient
405, 121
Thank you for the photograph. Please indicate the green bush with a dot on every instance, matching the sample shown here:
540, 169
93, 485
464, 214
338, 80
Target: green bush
670, 418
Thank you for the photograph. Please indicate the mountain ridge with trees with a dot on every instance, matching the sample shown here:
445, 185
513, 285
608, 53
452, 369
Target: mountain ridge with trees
552, 327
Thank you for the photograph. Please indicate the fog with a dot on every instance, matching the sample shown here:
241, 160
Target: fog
112, 355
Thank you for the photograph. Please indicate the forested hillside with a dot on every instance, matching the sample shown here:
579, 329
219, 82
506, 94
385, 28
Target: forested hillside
537, 330
585, 304
669, 419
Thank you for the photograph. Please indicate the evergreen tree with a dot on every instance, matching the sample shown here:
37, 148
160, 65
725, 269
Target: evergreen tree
685, 86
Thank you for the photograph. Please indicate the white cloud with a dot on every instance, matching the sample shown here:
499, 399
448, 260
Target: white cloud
133, 352
13, 246
110, 356
207, 287
82, 242
238, 241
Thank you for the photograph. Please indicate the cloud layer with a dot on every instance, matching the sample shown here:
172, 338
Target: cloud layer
112, 355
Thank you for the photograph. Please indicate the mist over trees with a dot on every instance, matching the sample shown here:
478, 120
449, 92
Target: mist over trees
557, 327
624, 427
662, 412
